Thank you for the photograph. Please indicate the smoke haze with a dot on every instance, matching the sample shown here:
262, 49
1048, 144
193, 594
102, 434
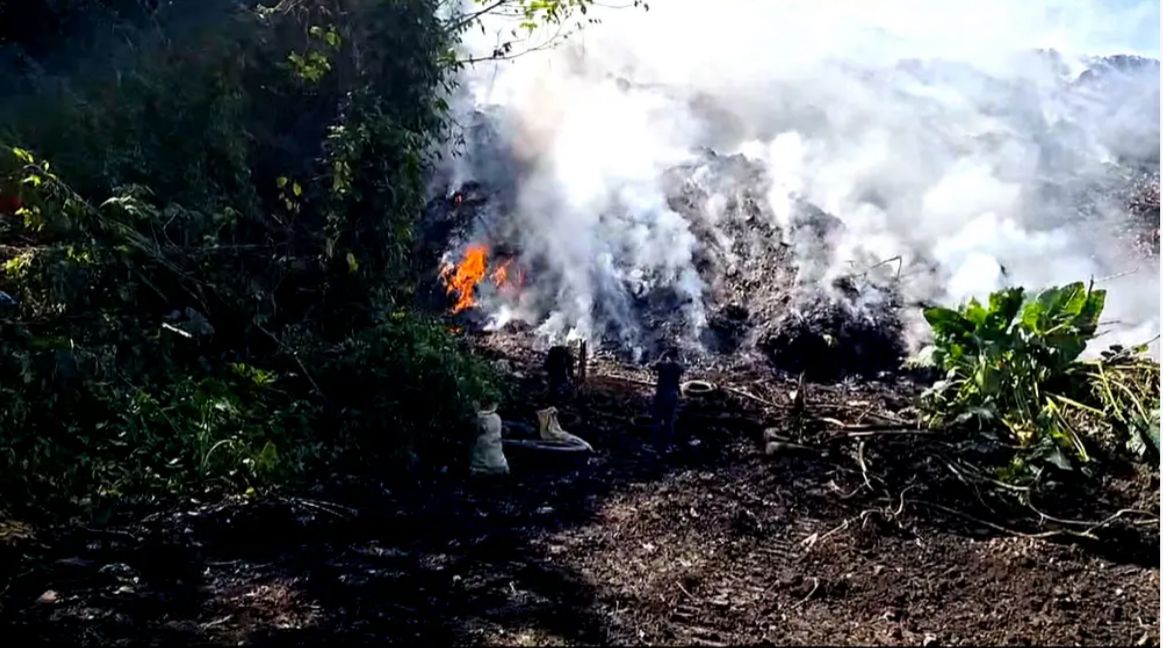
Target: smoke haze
967, 139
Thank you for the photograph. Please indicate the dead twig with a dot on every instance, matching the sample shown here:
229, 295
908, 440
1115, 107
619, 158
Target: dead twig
840, 493
627, 379
772, 447
901, 507
112, 532
217, 622
896, 428
1117, 275
16, 578
336, 510
975, 474
893, 418
1094, 525
971, 485
887, 432
900, 264
583, 362
811, 541
749, 396
295, 356
815, 586
863, 465
1006, 530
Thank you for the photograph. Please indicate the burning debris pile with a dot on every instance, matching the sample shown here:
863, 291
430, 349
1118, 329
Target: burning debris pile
770, 288
760, 295
801, 225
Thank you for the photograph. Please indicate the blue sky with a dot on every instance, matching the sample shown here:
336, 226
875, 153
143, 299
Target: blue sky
1130, 26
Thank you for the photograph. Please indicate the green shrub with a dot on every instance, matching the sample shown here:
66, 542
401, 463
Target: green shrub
203, 274
406, 388
1015, 363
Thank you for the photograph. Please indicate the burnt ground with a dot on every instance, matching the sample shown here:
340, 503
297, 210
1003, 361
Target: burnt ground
719, 544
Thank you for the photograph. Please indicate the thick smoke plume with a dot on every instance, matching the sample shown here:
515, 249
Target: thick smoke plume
961, 146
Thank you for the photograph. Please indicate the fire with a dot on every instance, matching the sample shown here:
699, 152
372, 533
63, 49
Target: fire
463, 278
500, 276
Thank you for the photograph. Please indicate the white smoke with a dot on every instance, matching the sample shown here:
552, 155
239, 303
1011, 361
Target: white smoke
931, 129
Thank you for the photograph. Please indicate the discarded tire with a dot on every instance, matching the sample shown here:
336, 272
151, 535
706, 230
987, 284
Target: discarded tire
534, 455
697, 388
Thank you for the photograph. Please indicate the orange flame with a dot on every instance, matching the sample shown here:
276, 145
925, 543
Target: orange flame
463, 278
500, 276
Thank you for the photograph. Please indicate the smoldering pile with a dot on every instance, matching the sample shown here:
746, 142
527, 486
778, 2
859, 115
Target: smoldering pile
762, 292
769, 284
1141, 198
681, 246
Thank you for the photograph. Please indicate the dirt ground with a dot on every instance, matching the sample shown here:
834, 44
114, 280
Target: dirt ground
720, 544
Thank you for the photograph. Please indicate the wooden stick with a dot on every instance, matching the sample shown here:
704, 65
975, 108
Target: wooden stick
904, 428
583, 362
886, 432
761, 401
628, 379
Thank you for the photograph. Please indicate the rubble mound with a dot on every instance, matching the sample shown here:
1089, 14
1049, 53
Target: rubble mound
769, 285
828, 339
779, 285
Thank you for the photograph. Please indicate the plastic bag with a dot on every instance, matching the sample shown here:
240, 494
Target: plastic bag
551, 429
488, 455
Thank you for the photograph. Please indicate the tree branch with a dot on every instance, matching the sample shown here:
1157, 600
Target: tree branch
469, 18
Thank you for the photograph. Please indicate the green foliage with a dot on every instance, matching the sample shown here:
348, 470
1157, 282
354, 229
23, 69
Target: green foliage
561, 18
406, 386
202, 276
1123, 385
312, 66
1016, 362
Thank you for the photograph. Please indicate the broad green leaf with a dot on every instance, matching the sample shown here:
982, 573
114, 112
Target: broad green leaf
975, 312
1005, 304
1032, 315
1091, 311
946, 321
